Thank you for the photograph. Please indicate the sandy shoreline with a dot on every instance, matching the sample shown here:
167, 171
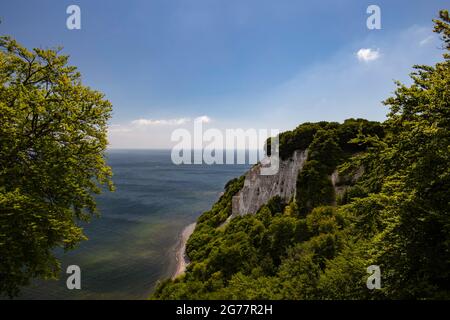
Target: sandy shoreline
180, 252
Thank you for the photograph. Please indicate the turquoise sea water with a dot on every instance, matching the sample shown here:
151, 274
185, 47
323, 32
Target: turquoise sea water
131, 246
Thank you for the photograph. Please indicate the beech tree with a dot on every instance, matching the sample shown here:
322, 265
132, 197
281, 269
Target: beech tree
53, 136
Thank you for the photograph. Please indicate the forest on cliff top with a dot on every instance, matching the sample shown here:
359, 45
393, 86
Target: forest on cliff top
319, 244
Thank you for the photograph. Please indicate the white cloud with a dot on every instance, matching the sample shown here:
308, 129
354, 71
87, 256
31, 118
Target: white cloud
340, 87
367, 54
117, 128
204, 119
150, 122
426, 40
148, 133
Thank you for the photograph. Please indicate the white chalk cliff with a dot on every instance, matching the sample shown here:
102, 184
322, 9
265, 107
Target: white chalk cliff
259, 189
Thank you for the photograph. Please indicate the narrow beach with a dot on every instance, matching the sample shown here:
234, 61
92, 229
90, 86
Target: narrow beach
180, 252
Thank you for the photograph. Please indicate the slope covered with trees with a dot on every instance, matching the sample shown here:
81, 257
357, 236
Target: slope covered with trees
318, 245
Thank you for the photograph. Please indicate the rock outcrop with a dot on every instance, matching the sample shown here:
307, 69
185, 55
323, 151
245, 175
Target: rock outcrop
259, 189
342, 183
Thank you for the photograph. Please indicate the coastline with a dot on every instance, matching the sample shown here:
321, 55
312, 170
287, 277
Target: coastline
180, 252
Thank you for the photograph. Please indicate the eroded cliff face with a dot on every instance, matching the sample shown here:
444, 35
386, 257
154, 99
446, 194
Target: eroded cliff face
259, 189
342, 183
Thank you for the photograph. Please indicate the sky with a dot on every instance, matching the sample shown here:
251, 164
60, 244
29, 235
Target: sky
232, 63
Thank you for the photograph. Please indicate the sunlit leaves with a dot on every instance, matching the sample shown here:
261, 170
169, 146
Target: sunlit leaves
52, 143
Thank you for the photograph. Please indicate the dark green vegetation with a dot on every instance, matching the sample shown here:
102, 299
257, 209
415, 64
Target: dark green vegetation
52, 143
318, 246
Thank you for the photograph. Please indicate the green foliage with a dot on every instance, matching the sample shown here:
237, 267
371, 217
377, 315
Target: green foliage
395, 214
201, 241
352, 128
52, 143
298, 139
314, 187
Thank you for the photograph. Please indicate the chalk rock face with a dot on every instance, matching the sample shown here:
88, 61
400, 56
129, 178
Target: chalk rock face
259, 189
342, 183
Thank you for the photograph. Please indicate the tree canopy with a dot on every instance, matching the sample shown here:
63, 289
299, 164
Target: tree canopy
52, 144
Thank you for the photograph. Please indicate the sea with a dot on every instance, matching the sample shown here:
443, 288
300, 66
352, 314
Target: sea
131, 245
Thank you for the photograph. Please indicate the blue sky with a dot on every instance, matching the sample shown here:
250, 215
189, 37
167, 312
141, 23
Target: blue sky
243, 64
